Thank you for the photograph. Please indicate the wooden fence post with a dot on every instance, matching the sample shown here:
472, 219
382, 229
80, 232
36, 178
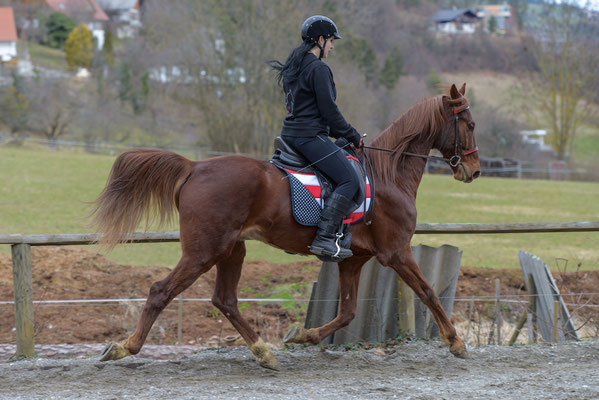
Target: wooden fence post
498, 310
23, 293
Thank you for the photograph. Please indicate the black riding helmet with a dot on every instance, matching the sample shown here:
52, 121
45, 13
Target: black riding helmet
316, 26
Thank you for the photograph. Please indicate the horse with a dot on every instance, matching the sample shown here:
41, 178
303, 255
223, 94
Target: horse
225, 200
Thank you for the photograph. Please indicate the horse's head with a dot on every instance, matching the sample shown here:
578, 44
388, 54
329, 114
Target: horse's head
457, 141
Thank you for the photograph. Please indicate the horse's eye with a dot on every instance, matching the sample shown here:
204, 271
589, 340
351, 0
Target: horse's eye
471, 126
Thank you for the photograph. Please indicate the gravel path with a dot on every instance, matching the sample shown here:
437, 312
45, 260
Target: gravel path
418, 370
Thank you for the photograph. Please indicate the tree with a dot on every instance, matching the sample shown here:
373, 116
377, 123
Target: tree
108, 48
520, 8
79, 47
133, 90
358, 50
433, 83
14, 105
566, 51
392, 69
58, 27
213, 54
492, 24
52, 108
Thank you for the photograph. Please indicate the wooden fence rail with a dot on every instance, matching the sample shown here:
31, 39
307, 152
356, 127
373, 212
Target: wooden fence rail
21, 257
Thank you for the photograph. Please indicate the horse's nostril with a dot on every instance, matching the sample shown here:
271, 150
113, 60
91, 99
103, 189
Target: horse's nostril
476, 175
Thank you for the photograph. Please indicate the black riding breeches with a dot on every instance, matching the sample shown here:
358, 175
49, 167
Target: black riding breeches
331, 161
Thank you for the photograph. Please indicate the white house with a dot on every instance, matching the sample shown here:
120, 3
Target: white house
536, 137
125, 14
459, 21
502, 14
87, 11
8, 34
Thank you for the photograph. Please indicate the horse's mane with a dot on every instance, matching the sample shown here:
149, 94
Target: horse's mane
424, 118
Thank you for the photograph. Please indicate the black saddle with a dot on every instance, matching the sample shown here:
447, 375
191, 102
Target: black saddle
285, 156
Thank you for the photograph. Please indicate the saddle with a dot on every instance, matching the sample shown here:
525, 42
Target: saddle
310, 188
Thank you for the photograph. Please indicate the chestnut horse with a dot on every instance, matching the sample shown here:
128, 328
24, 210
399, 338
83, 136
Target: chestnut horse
226, 200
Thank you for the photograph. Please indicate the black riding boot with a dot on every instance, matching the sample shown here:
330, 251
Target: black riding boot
326, 242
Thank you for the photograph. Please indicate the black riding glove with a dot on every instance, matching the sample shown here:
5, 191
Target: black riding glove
356, 139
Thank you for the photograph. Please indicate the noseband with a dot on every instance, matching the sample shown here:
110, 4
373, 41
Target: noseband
458, 154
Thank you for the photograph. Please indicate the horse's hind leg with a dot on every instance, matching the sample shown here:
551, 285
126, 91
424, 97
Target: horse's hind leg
225, 299
161, 293
408, 270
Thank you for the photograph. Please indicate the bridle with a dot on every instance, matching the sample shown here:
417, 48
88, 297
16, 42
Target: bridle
459, 153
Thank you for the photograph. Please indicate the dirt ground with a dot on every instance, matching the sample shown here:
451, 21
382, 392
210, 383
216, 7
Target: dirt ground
418, 370
74, 273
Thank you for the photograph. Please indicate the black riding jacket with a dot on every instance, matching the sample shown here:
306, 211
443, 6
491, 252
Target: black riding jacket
310, 103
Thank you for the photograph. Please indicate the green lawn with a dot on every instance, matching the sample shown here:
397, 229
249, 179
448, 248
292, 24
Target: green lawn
46, 57
45, 191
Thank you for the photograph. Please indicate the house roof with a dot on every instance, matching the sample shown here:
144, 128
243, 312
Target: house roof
8, 29
497, 10
452, 15
71, 7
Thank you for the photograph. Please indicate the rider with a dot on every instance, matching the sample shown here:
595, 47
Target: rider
312, 116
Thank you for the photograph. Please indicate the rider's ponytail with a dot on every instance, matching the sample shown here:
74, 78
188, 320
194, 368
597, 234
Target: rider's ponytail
289, 71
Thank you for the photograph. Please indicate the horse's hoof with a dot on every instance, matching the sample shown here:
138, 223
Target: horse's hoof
114, 351
459, 350
268, 361
264, 356
296, 334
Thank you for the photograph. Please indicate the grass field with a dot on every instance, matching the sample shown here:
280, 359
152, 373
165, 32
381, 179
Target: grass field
45, 191
46, 57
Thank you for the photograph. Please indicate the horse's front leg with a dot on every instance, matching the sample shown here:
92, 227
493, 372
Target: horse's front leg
349, 278
408, 271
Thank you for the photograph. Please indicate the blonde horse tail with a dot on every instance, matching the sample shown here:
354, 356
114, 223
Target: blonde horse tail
139, 182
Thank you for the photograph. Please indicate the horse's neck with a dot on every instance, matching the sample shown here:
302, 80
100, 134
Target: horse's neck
411, 169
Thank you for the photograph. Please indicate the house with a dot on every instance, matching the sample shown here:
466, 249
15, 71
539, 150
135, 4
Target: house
124, 14
536, 138
86, 11
502, 13
458, 21
8, 35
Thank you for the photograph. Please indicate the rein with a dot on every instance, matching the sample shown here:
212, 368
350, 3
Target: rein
454, 161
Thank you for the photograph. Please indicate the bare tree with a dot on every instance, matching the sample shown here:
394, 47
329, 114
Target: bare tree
214, 54
565, 46
52, 108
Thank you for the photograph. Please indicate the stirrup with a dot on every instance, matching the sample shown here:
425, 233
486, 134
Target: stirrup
328, 255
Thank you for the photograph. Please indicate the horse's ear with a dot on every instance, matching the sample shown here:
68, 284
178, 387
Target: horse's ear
453, 92
463, 89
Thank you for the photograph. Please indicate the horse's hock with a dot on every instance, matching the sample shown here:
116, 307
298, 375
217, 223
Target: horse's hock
386, 306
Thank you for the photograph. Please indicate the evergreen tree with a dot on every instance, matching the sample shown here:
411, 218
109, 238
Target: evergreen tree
392, 69
433, 83
58, 27
492, 25
79, 47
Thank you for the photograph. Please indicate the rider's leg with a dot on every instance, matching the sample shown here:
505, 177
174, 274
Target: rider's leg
329, 160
